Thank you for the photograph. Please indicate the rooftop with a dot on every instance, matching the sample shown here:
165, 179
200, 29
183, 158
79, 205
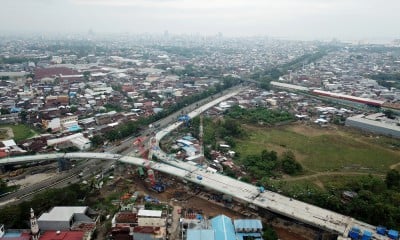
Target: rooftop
246, 224
200, 234
223, 228
61, 235
61, 213
374, 120
149, 213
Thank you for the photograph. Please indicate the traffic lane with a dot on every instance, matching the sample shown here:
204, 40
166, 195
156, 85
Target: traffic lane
89, 166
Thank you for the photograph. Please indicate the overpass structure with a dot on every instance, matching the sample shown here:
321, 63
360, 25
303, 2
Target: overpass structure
240, 191
243, 192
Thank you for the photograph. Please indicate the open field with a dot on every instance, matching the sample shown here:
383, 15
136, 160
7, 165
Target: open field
327, 182
20, 131
323, 149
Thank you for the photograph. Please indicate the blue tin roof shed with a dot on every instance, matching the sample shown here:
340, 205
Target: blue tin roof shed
247, 225
223, 228
200, 234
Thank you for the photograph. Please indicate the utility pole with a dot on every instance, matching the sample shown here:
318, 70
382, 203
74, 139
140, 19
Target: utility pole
201, 135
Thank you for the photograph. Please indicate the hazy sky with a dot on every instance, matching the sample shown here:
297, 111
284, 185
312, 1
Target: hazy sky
295, 19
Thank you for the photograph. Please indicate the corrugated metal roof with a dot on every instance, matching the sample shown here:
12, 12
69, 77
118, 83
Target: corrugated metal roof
149, 213
256, 236
200, 234
247, 224
223, 228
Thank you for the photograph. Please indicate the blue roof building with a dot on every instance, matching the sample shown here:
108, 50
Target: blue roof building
200, 234
248, 225
15, 110
74, 128
223, 228
393, 234
242, 236
248, 228
190, 151
189, 138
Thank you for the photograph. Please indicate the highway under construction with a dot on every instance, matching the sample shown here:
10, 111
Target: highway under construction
240, 191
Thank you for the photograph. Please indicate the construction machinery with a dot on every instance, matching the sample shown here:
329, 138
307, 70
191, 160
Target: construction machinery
185, 119
147, 154
139, 142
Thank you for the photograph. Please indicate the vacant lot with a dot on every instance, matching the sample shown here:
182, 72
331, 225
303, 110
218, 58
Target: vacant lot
20, 132
322, 149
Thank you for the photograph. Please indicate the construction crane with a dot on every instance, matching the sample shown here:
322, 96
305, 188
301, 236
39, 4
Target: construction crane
147, 154
143, 151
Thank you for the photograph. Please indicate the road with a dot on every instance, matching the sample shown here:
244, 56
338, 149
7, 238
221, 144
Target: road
126, 145
92, 166
60, 180
240, 191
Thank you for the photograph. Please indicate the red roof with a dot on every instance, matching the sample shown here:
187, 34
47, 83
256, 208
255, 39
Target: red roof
53, 235
3, 154
126, 217
54, 71
146, 229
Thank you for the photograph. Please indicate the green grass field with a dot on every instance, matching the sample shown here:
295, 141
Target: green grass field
321, 150
21, 132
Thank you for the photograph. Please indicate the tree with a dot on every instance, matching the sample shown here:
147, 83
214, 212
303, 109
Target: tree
23, 115
232, 128
269, 233
3, 186
392, 179
389, 114
230, 141
86, 75
289, 164
73, 109
269, 156
97, 140
4, 111
229, 172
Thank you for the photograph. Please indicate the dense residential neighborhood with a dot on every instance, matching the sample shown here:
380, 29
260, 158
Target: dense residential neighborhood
163, 126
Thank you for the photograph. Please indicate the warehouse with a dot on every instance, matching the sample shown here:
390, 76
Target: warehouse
375, 123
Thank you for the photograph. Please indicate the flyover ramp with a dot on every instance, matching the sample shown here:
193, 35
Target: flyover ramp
300, 211
31, 158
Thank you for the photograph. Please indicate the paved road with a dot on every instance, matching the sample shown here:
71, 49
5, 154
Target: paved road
97, 165
240, 191
60, 180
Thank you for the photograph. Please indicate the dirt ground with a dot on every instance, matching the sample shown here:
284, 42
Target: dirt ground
285, 230
177, 196
6, 133
311, 131
287, 234
31, 179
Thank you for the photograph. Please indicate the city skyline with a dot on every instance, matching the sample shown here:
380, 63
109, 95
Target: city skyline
301, 20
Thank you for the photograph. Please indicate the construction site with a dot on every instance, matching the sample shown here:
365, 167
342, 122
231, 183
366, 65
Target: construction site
190, 201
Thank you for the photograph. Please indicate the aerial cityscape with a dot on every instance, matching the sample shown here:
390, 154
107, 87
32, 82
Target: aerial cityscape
199, 120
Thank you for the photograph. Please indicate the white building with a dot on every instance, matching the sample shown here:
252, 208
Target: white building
375, 123
77, 140
62, 218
